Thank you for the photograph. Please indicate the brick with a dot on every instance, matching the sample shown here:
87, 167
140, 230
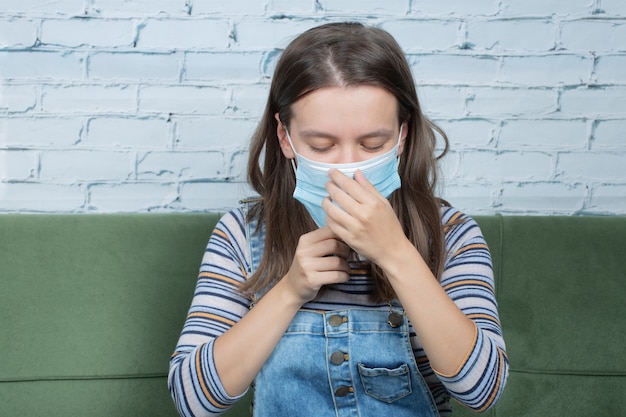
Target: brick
212, 196
511, 35
257, 34
134, 8
17, 97
604, 166
423, 35
184, 34
593, 35
35, 132
179, 99
453, 69
268, 63
204, 133
610, 134
134, 66
281, 7
131, 197
17, 32
546, 8
42, 65
223, 66
594, 101
188, 165
88, 98
38, 7
469, 133
132, 133
454, 7
512, 101
610, 69
250, 100
450, 166
88, 32
37, 197
370, 8
471, 198
549, 197
543, 134
608, 199
238, 166
442, 101
68, 166
546, 70
614, 7
229, 7
18, 165
507, 165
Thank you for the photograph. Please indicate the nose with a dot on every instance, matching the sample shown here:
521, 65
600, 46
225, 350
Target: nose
348, 155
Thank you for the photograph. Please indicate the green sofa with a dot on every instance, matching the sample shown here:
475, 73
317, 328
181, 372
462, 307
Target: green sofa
91, 307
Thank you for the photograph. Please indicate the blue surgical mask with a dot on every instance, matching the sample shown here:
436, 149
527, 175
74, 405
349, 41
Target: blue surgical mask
312, 176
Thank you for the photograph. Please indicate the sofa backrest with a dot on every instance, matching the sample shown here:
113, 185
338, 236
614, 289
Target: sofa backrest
91, 307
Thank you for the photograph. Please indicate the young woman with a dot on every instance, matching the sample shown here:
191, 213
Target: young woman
347, 288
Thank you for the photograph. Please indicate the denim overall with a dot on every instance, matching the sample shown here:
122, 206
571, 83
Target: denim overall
355, 362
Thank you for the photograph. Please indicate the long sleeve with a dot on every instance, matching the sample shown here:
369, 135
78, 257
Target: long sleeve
217, 305
193, 380
468, 280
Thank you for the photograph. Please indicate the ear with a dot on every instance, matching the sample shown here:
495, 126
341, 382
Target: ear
405, 133
283, 141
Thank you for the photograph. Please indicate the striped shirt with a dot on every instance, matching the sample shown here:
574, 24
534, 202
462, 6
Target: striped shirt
217, 305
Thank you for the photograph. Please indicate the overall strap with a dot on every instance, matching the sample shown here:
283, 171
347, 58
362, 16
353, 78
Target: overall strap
255, 238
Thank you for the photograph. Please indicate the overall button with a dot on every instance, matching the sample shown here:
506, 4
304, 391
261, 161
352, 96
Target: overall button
343, 391
338, 358
395, 319
336, 320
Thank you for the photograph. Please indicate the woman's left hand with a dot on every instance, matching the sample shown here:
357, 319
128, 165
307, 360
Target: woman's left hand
364, 219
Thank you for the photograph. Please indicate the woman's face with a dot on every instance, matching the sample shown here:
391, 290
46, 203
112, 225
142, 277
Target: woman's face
343, 125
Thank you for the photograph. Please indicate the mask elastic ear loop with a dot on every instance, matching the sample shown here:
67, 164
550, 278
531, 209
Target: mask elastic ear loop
293, 164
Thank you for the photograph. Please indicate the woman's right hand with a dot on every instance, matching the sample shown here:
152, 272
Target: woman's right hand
320, 259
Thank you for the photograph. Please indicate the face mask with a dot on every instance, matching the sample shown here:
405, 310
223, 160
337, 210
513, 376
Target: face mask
312, 176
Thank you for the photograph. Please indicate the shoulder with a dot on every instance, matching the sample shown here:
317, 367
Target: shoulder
458, 227
231, 225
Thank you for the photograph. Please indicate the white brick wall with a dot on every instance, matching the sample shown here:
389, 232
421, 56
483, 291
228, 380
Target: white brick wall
148, 105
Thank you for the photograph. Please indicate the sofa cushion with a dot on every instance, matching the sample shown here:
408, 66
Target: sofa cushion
560, 285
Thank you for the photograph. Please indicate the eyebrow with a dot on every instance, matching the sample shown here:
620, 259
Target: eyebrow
312, 133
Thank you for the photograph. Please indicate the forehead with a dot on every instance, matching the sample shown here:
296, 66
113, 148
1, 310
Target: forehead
361, 107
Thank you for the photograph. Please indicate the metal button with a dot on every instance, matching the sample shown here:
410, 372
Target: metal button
337, 320
395, 319
343, 391
338, 358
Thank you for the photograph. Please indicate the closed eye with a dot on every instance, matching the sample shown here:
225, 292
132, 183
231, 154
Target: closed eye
320, 149
373, 148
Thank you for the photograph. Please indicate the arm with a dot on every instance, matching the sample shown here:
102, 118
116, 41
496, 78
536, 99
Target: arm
193, 380
454, 338
468, 281
223, 346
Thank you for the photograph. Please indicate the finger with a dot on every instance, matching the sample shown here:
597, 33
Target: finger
338, 219
348, 185
360, 178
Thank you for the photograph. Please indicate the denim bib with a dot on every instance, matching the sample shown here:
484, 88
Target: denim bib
355, 362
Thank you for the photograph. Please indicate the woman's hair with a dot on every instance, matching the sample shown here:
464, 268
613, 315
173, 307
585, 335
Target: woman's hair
342, 55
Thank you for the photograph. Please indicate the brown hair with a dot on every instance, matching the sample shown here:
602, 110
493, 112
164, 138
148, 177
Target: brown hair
343, 54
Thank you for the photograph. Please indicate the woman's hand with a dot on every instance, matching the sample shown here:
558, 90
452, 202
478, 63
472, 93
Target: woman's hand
320, 259
364, 219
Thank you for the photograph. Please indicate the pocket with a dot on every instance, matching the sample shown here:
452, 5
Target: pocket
387, 385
